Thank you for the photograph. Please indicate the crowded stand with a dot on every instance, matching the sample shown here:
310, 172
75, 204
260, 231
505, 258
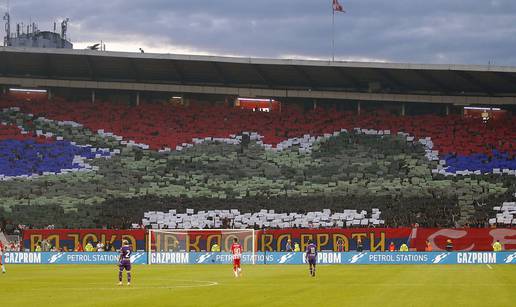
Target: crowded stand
108, 164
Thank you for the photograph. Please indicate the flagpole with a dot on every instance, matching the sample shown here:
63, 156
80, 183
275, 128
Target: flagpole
332, 34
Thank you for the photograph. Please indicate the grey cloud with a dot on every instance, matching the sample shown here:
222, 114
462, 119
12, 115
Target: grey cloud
439, 31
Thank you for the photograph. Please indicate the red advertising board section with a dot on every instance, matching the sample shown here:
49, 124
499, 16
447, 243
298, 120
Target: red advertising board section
466, 239
378, 239
374, 239
61, 238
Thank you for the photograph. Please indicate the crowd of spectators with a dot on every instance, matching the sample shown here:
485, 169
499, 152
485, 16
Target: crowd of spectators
90, 246
11, 246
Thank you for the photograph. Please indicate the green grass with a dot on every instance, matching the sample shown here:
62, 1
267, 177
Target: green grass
287, 285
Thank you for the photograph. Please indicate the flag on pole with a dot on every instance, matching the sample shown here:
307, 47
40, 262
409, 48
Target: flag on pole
337, 7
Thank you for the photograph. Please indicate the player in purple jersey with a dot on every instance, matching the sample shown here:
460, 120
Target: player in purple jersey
124, 262
311, 256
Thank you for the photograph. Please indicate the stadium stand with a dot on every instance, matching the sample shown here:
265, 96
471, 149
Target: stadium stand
263, 218
161, 126
431, 170
24, 155
504, 214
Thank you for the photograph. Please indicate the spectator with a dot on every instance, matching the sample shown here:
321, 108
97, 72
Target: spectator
38, 247
340, 245
404, 248
89, 247
1, 257
449, 245
100, 246
392, 247
296, 247
79, 248
108, 247
46, 246
176, 246
215, 248
428, 246
288, 246
360, 246
497, 246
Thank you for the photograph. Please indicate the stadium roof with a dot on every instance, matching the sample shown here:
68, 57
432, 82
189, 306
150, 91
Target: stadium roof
257, 77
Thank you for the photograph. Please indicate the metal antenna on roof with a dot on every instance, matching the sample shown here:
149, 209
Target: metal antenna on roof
7, 18
64, 28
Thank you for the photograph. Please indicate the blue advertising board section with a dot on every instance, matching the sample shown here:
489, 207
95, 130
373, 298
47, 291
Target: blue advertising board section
70, 258
266, 258
362, 258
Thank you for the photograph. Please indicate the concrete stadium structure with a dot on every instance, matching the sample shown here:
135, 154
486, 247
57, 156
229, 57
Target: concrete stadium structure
139, 73
122, 134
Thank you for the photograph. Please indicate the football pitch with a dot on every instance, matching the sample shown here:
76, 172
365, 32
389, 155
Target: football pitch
270, 285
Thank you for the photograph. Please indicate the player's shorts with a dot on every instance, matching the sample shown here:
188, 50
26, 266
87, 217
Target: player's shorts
311, 260
125, 265
236, 263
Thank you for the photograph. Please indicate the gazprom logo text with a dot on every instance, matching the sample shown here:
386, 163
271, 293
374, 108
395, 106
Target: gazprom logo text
23, 258
169, 258
474, 258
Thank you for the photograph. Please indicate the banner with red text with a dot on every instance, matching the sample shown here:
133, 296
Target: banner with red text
68, 239
373, 239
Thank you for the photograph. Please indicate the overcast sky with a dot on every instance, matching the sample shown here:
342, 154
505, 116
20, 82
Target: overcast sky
431, 31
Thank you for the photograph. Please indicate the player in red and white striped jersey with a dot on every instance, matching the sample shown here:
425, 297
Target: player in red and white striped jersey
236, 250
2, 257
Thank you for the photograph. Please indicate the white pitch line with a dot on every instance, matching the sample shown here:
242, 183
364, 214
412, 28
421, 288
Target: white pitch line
490, 267
91, 286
